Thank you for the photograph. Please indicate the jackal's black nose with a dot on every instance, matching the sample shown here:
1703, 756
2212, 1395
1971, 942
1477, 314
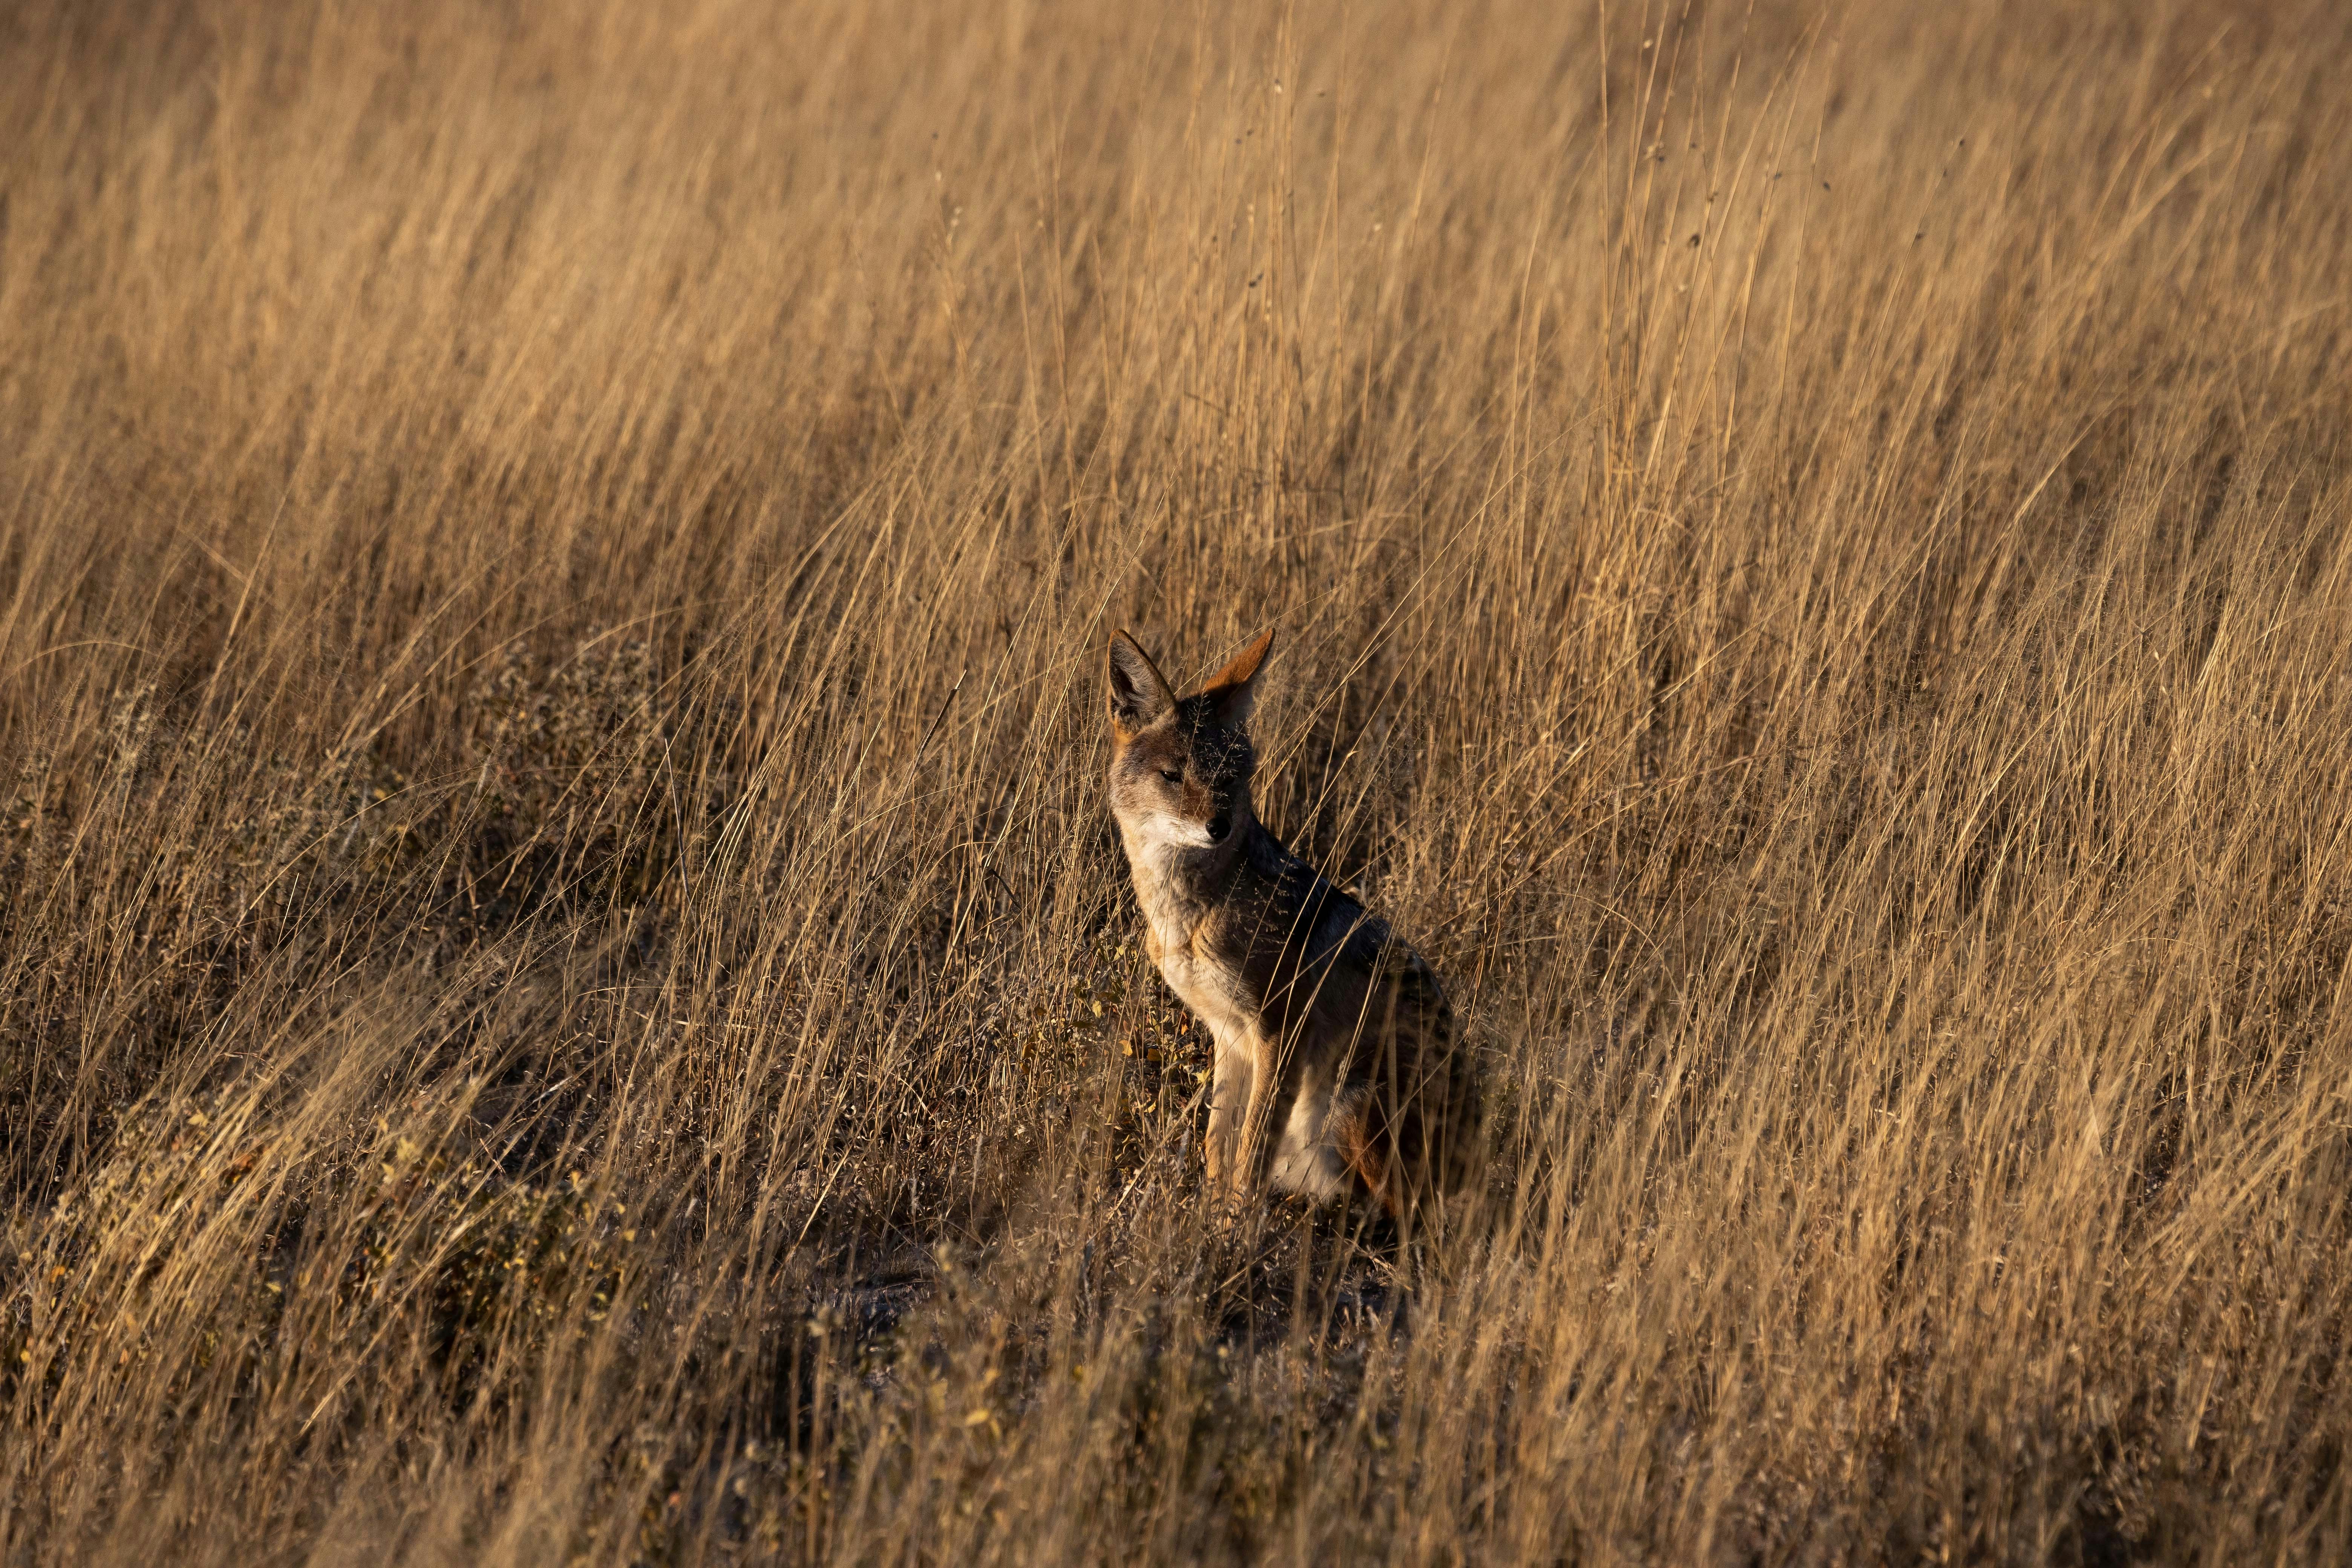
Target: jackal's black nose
1219, 825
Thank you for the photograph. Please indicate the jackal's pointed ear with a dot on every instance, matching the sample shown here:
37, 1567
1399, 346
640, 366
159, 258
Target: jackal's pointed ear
1230, 689
1138, 692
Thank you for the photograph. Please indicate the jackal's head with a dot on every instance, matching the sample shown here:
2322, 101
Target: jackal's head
1180, 766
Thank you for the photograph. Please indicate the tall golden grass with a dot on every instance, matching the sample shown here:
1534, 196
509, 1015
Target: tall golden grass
567, 990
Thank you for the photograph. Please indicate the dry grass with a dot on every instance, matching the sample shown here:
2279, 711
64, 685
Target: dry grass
567, 990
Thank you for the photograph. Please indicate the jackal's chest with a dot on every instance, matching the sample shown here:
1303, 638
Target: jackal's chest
1216, 992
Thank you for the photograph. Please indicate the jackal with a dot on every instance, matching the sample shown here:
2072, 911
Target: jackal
1338, 1058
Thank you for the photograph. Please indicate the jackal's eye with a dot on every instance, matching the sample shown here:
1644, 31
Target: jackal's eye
1173, 776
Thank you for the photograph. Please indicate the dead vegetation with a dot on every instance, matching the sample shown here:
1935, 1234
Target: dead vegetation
566, 989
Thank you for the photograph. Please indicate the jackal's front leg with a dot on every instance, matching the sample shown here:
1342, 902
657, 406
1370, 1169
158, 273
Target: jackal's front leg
1229, 1095
1256, 1140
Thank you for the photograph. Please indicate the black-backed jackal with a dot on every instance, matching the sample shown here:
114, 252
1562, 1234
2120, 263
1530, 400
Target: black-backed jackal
1338, 1058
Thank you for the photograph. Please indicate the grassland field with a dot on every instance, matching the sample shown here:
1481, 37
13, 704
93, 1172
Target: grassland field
568, 991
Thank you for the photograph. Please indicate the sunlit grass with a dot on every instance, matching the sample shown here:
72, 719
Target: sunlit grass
567, 992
